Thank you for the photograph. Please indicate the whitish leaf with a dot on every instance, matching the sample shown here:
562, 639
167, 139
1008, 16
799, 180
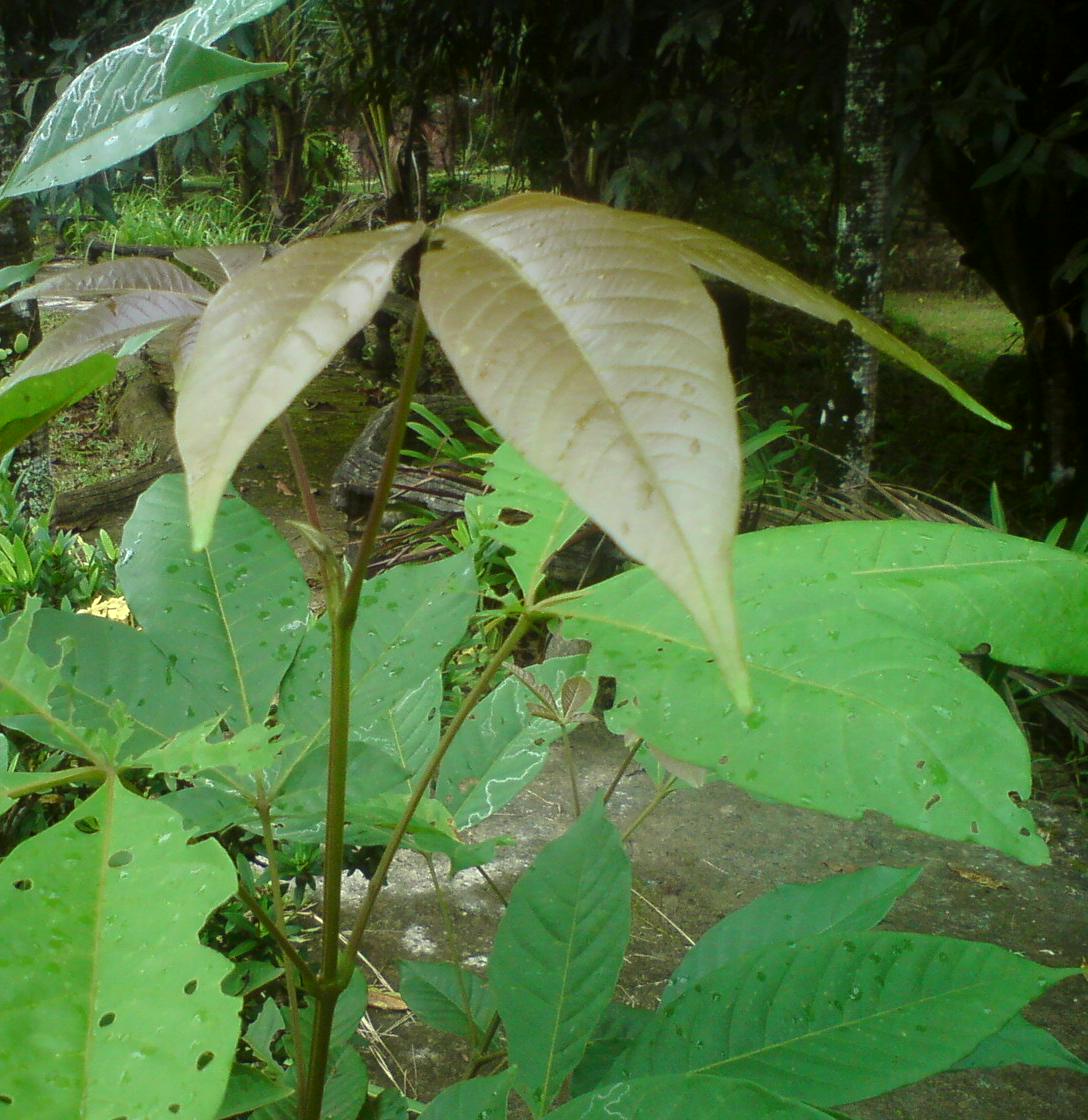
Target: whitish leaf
551, 517
27, 401
855, 632
482, 1098
447, 997
231, 616
112, 278
1021, 1043
107, 904
594, 349
105, 327
731, 261
684, 1097
134, 96
501, 747
842, 904
221, 263
105, 666
834, 1021
558, 952
263, 338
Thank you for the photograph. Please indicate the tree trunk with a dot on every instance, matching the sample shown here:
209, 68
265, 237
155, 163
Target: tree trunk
31, 462
848, 415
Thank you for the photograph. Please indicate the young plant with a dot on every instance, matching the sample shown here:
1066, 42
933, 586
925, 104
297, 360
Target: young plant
586, 338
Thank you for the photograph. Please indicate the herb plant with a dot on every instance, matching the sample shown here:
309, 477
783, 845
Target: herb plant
586, 339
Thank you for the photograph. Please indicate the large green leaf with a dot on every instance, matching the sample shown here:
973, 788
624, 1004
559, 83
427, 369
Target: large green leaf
115, 277
854, 631
832, 1021
409, 620
558, 952
723, 257
482, 1098
105, 665
841, 904
231, 615
134, 96
685, 1097
597, 353
111, 1007
27, 401
104, 327
263, 338
1021, 1043
447, 997
19, 273
502, 745
552, 517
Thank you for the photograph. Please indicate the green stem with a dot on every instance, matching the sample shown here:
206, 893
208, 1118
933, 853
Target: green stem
309, 980
343, 604
656, 800
477, 693
57, 778
623, 769
302, 475
573, 772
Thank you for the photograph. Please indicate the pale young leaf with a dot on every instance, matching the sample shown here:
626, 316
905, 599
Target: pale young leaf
263, 338
111, 278
221, 263
593, 348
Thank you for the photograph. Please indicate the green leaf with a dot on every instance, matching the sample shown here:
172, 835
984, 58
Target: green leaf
558, 952
597, 353
264, 337
252, 749
111, 1005
447, 997
854, 631
1021, 1043
501, 746
231, 615
553, 517
618, 1027
834, 1021
19, 274
684, 1097
731, 261
482, 1098
841, 904
29, 401
132, 97
249, 1089
106, 666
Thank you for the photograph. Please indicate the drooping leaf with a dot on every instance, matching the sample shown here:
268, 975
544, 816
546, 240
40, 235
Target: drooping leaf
1021, 1043
720, 256
558, 952
833, 1021
552, 517
106, 664
447, 997
19, 274
29, 401
103, 328
854, 631
501, 746
134, 96
597, 353
482, 1098
116, 277
842, 904
107, 905
684, 1097
221, 263
263, 338
231, 615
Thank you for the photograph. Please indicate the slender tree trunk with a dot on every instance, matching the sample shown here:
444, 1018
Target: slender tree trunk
848, 414
31, 462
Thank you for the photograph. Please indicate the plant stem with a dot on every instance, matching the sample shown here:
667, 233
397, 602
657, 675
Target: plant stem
479, 689
309, 980
298, 465
623, 769
656, 800
343, 603
56, 778
572, 770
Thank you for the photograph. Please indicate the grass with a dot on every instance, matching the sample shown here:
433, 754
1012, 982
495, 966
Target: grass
83, 447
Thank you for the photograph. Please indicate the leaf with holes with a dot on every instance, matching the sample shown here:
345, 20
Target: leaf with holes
134, 96
28, 400
263, 338
107, 904
231, 615
597, 353
854, 631
827, 1019
558, 952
